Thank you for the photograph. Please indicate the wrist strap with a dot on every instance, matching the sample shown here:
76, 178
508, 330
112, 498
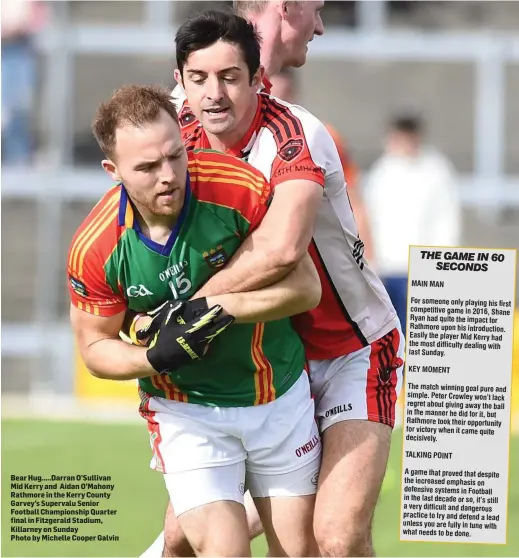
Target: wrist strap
133, 333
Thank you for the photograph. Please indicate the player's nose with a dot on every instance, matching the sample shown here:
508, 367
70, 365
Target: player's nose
319, 26
167, 172
214, 90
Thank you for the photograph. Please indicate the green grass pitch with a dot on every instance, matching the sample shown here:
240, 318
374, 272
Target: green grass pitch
122, 451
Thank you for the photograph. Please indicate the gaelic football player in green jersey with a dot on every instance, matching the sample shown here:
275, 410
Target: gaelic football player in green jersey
226, 403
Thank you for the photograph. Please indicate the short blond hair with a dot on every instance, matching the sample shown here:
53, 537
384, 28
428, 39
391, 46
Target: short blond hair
244, 8
131, 104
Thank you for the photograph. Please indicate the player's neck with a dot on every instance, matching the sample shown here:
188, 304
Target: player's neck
271, 60
156, 227
222, 142
271, 55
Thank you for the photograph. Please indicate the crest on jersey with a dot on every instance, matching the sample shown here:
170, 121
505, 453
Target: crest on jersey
78, 286
216, 257
186, 116
291, 150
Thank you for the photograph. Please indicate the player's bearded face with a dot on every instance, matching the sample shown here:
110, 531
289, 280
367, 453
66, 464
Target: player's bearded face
151, 161
301, 23
218, 87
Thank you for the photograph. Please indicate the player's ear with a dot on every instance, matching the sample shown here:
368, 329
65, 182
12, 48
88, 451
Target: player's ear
283, 9
111, 169
291, 10
178, 77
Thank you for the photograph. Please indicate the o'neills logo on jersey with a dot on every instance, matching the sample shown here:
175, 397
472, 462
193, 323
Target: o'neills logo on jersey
339, 409
291, 150
308, 447
172, 271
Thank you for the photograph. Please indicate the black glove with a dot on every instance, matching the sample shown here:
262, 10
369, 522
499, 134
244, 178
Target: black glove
177, 342
188, 311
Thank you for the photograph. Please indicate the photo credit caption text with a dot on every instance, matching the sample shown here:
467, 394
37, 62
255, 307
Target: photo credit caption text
58, 507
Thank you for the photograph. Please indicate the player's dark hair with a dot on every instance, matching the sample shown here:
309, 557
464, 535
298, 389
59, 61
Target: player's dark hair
206, 28
131, 104
407, 123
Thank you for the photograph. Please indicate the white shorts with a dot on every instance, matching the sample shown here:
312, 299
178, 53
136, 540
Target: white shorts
362, 385
214, 453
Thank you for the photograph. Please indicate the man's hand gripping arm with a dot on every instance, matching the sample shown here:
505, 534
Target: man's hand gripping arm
176, 341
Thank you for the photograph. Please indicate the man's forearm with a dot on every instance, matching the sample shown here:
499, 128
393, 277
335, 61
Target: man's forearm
275, 248
112, 359
298, 292
252, 267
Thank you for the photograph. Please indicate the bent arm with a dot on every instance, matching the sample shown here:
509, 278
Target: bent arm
105, 355
298, 292
275, 248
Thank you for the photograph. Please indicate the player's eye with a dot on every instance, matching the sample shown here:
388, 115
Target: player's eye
230, 79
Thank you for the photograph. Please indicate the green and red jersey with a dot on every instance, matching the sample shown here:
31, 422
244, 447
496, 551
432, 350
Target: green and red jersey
113, 267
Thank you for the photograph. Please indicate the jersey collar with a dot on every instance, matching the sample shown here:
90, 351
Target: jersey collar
127, 219
245, 144
266, 85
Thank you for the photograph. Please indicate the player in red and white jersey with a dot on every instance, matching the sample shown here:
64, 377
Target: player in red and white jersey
286, 143
353, 339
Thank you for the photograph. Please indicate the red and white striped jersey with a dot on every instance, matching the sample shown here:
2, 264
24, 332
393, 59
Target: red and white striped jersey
286, 142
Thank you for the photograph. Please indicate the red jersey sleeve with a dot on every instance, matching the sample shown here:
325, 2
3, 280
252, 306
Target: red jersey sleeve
298, 142
225, 180
294, 162
90, 248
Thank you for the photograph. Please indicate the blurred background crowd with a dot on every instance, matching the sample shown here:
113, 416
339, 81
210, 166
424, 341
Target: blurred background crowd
421, 98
